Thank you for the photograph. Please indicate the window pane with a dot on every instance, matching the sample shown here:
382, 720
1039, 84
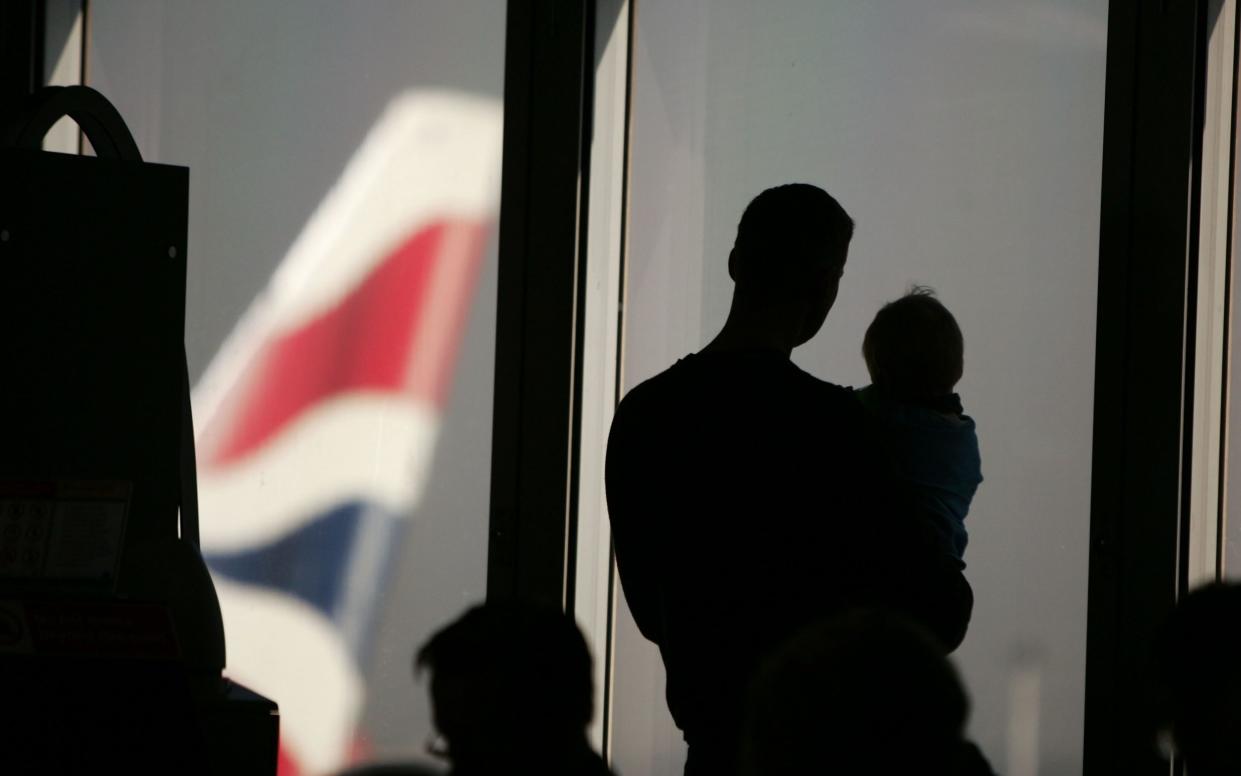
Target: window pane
965, 138
344, 178
1222, 217
1230, 526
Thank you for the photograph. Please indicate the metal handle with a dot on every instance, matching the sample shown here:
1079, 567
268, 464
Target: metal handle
101, 122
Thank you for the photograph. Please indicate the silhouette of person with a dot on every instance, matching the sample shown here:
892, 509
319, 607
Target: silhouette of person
748, 498
915, 354
1200, 679
512, 692
865, 692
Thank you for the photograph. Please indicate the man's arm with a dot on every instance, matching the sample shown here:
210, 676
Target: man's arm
902, 561
939, 597
915, 576
636, 551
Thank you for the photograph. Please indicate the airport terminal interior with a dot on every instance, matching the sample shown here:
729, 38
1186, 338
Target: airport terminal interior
641, 387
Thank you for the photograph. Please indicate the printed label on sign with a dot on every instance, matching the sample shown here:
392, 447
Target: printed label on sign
70, 531
101, 630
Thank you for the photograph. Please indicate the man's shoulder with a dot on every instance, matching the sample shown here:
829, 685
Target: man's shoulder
830, 400
723, 371
823, 388
696, 387
671, 381
682, 381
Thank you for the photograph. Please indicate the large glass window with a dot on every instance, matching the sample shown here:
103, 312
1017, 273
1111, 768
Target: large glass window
965, 137
344, 177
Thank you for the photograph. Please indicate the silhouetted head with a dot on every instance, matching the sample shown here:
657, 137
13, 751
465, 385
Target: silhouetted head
867, 692
510, 682
1199, 658
914, 348
791, 247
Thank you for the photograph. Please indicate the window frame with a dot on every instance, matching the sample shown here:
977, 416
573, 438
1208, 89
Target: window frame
1148, 257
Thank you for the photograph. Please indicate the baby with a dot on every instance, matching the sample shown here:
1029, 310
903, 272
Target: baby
914, 353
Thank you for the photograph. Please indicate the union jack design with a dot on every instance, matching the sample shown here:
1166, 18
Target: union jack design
317, 420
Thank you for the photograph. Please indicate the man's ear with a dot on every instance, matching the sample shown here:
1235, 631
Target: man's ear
732, 264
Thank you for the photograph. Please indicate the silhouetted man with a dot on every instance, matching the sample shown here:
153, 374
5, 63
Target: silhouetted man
747, 497
512, 692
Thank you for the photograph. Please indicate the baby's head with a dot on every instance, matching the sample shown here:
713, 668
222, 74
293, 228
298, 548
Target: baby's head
913, 348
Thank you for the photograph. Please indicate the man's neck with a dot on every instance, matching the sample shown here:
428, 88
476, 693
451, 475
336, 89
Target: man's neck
735, 338
758, 324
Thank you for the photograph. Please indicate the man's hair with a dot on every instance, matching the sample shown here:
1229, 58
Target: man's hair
865, 692
533, 657
788, 229
914, 348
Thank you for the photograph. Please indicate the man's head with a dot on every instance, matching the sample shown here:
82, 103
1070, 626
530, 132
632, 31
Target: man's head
865, 692
790, 251
508, 680
1200, 678
914, 348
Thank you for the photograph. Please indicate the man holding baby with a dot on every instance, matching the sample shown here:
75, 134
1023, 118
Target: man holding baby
750, 500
